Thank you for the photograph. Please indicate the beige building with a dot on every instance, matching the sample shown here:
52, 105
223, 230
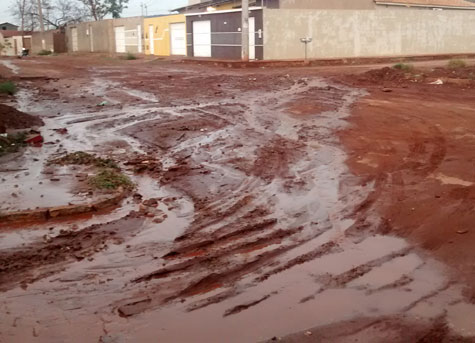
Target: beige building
12, 42
121, 35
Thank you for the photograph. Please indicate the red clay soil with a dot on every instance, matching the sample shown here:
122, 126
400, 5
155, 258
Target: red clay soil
416, 142
10, 118
463, 76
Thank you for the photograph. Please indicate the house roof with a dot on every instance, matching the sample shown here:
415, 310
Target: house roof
7, 23
12, 33
208, 3
463, 4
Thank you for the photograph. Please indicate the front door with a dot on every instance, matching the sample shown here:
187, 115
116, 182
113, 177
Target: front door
119, 39
151, 40
252, 38
202, 38
74, 39
178, 38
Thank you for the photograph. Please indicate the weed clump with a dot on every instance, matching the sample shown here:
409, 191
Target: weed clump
8, 87
83, 158
12, 143
456, 64
45, 52
404, 67
130, 57
110, 179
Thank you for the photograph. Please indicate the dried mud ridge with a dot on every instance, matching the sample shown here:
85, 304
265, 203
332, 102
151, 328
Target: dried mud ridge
278, 221
67, 211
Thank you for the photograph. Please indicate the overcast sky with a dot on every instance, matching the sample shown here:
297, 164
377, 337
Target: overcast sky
154, 7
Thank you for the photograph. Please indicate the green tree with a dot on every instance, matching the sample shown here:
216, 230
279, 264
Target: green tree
100, 8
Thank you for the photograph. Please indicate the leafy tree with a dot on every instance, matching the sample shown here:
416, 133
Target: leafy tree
98, 9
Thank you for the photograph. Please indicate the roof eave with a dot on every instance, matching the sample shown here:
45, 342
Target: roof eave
425, 6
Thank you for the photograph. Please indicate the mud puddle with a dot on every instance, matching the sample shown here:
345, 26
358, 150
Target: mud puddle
260, 225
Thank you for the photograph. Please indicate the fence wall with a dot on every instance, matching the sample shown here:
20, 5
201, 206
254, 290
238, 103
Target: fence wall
99, 36
366, 33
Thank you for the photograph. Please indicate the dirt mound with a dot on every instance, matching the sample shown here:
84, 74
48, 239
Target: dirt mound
384, 74
11, 118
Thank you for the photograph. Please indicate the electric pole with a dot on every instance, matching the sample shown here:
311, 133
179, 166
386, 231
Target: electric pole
40, 15
245, 31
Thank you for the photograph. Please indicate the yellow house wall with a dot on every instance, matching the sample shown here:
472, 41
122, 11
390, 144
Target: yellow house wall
161, 27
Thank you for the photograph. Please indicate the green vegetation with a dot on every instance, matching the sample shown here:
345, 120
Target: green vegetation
456, 63
110, 179
12, 143
83, 158
130, 56
404, 67
8, 87
45, 53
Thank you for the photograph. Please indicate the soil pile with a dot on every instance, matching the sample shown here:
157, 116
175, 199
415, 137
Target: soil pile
11, 118
384, 74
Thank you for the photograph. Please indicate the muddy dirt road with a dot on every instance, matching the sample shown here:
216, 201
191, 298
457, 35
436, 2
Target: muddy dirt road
270, 204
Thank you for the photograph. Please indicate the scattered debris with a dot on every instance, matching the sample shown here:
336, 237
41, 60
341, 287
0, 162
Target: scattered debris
437, 82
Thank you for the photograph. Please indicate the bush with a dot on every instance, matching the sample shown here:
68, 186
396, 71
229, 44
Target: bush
455, 64
12, 143
403, 67
83, 158
8, 88
130, 56
110, 179
45, 52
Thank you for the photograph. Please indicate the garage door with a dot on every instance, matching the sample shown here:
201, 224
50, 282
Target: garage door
74, 38
178, 38
119, 39
202, 38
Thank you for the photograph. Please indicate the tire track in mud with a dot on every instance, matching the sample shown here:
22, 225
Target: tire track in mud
205, 238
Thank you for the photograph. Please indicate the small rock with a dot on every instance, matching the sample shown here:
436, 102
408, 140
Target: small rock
462, 232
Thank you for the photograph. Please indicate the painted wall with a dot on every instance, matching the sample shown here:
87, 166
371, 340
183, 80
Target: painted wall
360, 33
14, 44
221, 7
55, 41
99, 36
161, 29
327, 4
226, 34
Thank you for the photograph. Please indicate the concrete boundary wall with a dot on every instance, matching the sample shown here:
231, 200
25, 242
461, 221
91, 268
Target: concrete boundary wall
99, 36
366, 33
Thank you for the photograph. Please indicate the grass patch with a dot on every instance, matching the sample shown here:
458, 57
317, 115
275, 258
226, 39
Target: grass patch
130, 57
404, 67
8, 87
83, 158
12, 143
110, 179
45, 53
456, 63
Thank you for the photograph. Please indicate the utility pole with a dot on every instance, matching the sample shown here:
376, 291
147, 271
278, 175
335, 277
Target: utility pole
42, 25
141, 7
146, 10
245, 31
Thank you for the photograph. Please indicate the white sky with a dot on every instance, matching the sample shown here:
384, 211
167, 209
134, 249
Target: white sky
154, 7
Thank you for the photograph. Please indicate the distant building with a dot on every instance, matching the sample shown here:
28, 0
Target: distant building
8, 27
12, 42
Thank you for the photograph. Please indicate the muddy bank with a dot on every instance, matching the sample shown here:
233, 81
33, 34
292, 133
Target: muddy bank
11, 118
244, 209
416, 144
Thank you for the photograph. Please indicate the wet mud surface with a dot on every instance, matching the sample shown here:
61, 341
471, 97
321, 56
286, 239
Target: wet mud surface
268, 206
